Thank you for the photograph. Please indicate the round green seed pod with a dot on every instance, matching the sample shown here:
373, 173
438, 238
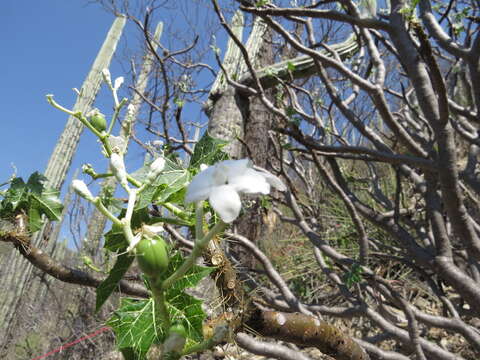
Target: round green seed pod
98, 121
152, 255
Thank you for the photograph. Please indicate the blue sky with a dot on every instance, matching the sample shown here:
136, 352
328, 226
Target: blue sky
47, 46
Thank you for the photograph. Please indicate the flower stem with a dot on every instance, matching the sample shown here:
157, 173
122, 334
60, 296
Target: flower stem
98, 203
197, 251
118, 107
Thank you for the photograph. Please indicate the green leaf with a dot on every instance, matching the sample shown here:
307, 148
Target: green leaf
190, 279
109, 201
48, 203
181, 306
188, 311
35, 220
16, 193
290, 111
290, 66
106, 288
115, 240
208, 151
353, 276
179, 102
35, 182
172, 179
134, 325
32, 198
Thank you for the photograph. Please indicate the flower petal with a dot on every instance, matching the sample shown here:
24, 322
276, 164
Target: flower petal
250, 182
273, 180
234, 168
201, 185
226, 202
136, 240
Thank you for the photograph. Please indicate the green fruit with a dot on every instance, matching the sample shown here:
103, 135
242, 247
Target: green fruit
98, 121
152, 255
179, 329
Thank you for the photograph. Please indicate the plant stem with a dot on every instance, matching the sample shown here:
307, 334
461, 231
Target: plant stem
78, 115
98, 203
220, 334
118, 107
197, 251
175, 210
198, 221
161, 312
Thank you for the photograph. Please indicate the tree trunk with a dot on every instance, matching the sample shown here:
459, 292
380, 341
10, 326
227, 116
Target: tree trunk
257, 147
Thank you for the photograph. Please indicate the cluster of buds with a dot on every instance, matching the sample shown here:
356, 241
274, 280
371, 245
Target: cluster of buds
108, 80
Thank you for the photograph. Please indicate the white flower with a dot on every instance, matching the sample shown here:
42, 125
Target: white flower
118, 83
82, 189
223, 183
118, 168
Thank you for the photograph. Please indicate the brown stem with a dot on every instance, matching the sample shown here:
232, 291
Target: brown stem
44, 262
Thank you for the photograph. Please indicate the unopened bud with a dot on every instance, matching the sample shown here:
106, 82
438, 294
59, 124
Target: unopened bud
106, 77
156, 168
130, 110
158, 165
118, 82
82, 189
118, 168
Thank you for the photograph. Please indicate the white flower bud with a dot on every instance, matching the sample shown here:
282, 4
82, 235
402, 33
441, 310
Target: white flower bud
157, 143
82, 189
106, 77
118, 82
158, 165
130, 110
118, 168
156, 168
